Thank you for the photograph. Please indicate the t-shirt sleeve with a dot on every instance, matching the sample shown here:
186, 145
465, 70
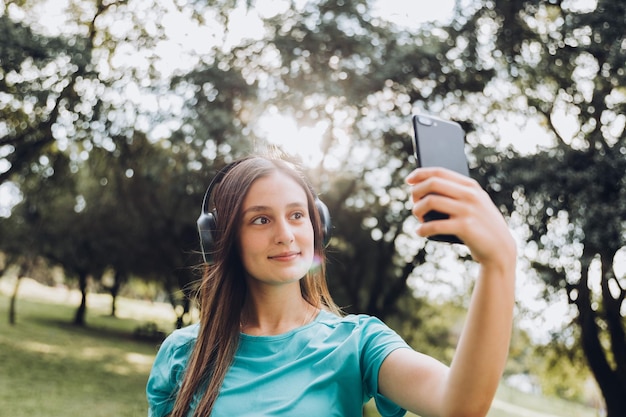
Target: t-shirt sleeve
166, 374
377, 342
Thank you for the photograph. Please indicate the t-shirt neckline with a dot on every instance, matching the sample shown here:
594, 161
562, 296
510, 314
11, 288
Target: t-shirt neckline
287, 334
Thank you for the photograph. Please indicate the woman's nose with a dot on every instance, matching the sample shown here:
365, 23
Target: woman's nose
284, 232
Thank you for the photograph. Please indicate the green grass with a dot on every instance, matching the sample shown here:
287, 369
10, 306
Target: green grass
50, 368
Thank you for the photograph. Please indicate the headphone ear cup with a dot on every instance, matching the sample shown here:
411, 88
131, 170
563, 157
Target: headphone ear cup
207, 222
325, 219
207, 226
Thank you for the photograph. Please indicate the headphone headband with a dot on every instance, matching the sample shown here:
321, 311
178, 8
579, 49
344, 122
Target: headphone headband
216, 180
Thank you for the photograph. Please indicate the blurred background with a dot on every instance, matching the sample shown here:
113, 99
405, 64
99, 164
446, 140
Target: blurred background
115, 115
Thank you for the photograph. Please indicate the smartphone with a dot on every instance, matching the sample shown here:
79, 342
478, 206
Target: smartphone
439, 143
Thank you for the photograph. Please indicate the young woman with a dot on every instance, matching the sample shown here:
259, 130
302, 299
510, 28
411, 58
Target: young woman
271, 342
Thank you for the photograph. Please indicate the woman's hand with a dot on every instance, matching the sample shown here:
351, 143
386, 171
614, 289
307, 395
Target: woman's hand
473, 216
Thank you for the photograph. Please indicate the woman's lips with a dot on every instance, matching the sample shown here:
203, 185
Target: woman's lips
285, 256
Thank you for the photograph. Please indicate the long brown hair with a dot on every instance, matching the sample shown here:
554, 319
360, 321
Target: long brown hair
223, 288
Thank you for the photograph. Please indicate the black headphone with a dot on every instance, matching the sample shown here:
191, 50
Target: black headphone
207, 222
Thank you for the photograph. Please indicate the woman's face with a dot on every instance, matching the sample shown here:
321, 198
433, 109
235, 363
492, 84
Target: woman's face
276, 235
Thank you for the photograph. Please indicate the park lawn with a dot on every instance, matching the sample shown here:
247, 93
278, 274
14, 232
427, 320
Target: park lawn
51, 368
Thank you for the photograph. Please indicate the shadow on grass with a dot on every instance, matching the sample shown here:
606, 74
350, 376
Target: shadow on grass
109, 328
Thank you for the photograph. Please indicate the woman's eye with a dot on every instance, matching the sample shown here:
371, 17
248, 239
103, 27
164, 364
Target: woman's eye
260, 220
298, 215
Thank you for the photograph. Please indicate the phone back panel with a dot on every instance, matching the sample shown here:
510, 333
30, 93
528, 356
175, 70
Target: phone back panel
439, 143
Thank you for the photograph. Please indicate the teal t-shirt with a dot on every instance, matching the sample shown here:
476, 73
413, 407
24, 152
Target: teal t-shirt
328, 367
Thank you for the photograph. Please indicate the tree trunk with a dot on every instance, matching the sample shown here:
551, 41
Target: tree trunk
79, 318
115, 290
181, 319
615, 391
610, 381
22, 272
615, 402
12, 303
113, 304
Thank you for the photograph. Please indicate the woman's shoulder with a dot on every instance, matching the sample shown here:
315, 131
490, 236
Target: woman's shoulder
351, 320
368, 332
184, 337
172, 356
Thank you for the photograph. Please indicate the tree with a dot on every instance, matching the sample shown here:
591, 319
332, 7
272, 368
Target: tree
39, 77
567, 68
115, 195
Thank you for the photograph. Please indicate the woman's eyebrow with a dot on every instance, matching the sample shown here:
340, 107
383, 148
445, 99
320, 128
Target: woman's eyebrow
255, 209
261, 208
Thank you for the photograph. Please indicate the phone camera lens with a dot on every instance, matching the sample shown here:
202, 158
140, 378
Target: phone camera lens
425, 121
